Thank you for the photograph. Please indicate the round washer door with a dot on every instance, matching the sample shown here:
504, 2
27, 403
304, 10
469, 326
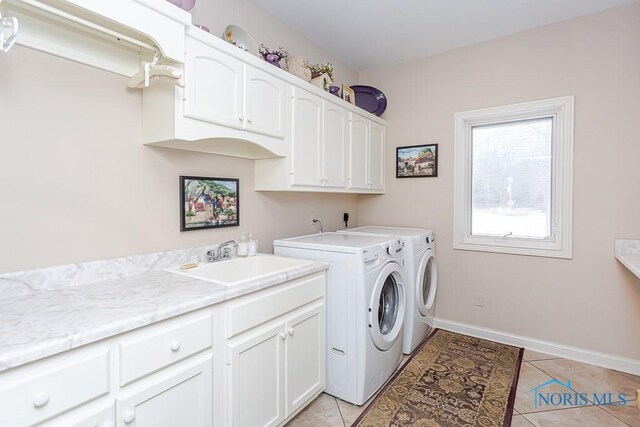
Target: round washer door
426, 282
386, 308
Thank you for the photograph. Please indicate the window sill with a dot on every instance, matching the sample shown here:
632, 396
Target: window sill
564, 253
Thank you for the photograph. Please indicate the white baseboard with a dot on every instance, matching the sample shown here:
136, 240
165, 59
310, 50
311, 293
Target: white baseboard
623, 364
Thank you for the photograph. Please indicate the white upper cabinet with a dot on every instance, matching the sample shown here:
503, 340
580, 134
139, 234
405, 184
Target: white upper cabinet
230, 105
359, 153
320, 146
366, 147
265, 99
376, 156
222, 90
214, 86
306, 151
334, 145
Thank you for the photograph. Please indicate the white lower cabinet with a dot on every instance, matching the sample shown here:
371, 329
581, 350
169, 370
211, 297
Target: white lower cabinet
39, 393
101, 416
256, 380
277, 369
182, 398
304, 357
251, 361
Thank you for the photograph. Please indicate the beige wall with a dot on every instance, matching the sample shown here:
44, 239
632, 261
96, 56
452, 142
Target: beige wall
266, 28
591, 301
77, 184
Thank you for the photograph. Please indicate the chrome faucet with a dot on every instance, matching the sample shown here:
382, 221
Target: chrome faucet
221, 252
317, 221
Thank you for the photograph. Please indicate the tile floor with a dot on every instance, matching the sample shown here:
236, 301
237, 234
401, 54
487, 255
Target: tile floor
537, 368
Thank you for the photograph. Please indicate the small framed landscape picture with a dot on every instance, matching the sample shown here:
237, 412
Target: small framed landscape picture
417, 161
348, 94
209, 202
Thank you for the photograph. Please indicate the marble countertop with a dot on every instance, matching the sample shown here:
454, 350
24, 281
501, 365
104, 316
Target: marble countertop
627, 251
46, 322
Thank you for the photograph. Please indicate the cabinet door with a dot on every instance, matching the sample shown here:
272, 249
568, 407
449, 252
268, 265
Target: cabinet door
177, 399
256, 380
214, 85
305, 357
306, 144
358, 152
334, 147
264, 102
376, 157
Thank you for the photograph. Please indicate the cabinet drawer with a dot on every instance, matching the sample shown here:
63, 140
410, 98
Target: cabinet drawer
103, 415
163, 346
65, 385
253, 310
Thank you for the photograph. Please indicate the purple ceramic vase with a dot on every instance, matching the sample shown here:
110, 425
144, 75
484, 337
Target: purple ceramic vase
273, 59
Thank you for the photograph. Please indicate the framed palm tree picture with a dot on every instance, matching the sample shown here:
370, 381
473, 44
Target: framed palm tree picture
209, 202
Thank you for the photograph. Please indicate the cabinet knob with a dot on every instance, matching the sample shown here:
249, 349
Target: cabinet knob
241, 118
175, 345
283, 336
129, 416
249, 119
291, 330
40, 399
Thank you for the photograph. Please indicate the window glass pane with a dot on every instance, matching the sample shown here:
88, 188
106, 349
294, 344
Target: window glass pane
511, 179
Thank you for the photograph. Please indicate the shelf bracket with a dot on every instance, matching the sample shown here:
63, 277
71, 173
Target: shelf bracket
154, 70
8, 32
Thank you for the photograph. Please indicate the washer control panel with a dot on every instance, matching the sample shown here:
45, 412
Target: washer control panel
395, 248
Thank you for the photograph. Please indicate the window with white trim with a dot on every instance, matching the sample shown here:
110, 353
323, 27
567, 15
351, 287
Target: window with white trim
513, 178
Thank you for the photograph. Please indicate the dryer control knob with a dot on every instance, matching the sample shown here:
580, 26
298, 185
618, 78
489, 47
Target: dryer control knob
389, 251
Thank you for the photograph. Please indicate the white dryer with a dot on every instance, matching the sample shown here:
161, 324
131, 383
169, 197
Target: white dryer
421, 274
364, 308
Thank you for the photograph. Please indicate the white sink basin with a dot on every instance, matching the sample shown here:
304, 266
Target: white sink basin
241, 270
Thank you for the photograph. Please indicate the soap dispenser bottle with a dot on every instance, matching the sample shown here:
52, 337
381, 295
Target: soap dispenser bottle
253, 245
243, 246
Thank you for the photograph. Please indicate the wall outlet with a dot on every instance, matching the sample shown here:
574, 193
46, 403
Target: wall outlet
479, 300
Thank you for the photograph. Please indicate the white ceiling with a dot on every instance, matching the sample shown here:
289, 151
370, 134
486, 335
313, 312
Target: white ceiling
372, 33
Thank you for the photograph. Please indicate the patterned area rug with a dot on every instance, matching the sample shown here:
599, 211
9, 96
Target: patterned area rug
451, 380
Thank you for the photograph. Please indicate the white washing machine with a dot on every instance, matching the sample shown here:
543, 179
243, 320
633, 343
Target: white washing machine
364, 308
421, 273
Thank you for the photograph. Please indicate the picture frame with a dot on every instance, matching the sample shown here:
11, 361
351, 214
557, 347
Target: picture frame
348, 94
207, 202
417, 161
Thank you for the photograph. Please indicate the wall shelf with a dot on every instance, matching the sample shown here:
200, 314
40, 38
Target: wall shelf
111, 35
